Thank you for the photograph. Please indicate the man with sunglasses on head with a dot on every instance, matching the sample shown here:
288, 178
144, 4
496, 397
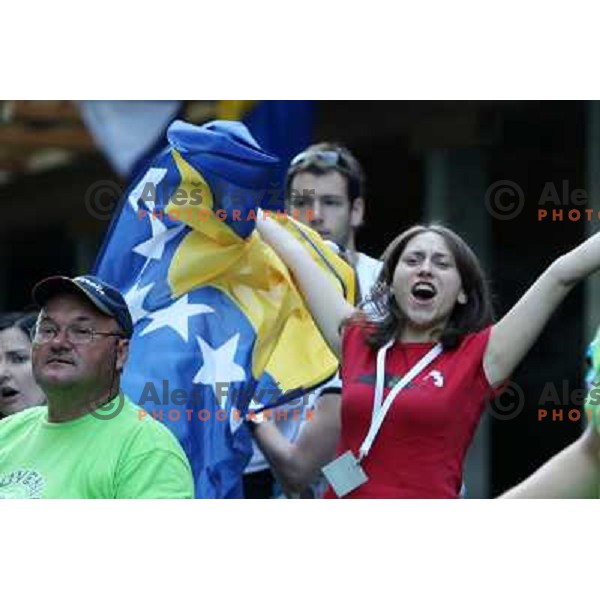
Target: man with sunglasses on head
89, 442
324, 189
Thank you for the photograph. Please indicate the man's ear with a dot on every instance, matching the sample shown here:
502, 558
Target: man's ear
357, 212
122, 353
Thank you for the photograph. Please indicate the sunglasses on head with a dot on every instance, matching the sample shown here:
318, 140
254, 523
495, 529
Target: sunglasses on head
321, 158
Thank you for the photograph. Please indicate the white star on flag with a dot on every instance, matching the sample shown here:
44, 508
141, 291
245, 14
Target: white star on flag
176, 317
154, 247
152, 178
135, 301
218, 364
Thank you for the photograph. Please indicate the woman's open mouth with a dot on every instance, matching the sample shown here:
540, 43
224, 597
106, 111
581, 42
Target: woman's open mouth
423, 292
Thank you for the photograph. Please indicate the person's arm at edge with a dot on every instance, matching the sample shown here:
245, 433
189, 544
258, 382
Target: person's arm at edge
572, 473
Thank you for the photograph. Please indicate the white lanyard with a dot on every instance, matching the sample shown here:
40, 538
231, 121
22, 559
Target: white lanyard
380, 408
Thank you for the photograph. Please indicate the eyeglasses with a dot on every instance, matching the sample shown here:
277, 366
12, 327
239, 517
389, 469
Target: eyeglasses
333, 159
76, 334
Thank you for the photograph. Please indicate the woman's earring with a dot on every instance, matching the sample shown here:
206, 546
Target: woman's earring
462, 298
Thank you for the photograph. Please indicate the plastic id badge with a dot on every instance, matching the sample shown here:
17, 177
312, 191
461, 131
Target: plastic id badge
344, 474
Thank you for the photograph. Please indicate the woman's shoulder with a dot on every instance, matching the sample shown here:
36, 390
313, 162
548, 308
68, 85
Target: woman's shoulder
359, 325
474, 341
356, 332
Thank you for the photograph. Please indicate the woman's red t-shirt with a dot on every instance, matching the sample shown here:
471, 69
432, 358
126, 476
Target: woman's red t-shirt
421, 445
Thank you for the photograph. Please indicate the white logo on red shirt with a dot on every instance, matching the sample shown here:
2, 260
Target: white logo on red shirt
438, 378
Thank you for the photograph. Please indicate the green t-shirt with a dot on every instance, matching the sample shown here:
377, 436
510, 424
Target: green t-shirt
123, 457
592, 407
592, 403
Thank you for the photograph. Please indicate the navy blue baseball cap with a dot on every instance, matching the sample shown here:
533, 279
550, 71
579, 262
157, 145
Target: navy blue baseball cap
104, 297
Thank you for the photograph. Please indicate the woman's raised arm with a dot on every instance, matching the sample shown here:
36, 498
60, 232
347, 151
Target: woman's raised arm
326, 303
512, 337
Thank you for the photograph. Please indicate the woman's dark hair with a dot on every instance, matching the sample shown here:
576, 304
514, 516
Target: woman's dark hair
24, 321
473, 316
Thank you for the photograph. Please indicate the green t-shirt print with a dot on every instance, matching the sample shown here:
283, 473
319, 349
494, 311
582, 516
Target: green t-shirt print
121, 457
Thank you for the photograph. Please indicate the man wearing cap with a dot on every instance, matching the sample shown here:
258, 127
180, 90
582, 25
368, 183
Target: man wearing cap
89, 442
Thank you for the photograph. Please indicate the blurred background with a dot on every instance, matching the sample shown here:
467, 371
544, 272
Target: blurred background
483, 167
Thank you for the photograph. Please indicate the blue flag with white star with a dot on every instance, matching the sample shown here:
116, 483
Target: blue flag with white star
218, 320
